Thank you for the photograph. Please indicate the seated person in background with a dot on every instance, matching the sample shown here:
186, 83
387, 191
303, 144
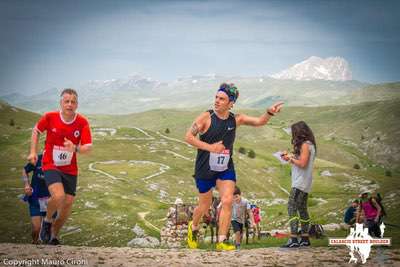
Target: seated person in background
351, 213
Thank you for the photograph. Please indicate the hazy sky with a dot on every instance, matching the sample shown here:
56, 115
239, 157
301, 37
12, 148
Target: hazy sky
45, 44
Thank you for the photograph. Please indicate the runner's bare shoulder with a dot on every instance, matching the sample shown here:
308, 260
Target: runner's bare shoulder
203, 121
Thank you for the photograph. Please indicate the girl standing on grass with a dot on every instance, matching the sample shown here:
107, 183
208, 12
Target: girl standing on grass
302, 161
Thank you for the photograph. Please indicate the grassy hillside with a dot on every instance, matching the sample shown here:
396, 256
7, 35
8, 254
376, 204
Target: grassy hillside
370, 128
136, 167
379, 92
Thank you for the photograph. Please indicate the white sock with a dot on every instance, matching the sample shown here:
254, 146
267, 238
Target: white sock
221, 238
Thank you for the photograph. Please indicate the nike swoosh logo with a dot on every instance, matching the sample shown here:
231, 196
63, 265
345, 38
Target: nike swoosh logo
230, 128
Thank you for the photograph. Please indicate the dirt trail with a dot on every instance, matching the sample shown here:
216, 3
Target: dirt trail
111, 256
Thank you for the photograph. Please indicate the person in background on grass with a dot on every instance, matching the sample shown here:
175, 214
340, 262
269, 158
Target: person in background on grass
302, 161
257, 219
240, 207
372, 213
36, 194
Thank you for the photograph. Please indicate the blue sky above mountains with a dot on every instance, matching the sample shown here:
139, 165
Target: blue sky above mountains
48, 44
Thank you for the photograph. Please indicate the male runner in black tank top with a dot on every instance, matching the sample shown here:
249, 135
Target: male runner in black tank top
214, 166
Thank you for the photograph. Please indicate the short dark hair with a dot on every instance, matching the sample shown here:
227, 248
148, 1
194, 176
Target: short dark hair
237, 191
69, 91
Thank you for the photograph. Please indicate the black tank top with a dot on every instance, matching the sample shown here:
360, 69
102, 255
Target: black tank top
220, 130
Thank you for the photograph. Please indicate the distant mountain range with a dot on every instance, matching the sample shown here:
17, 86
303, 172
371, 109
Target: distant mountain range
138, 93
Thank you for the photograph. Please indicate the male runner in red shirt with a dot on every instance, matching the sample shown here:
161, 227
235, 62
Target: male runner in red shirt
67, 133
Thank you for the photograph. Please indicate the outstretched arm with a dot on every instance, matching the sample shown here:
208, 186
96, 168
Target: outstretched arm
242, 119
199, 126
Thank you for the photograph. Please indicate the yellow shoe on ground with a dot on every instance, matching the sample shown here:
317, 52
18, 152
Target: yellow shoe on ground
221, 246
192, 237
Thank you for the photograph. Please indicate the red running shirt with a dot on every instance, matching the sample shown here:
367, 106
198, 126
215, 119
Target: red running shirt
55, 156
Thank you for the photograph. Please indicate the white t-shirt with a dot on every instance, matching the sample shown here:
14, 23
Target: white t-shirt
239, 210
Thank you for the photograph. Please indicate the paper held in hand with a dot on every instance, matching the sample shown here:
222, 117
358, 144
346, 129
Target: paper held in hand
278, 156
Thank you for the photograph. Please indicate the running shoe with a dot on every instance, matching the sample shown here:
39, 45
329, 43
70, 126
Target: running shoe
192, 236
54, 242
292, 243
305, 242
225, 246
45, 232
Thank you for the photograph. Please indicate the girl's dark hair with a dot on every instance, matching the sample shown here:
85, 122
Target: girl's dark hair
300, 134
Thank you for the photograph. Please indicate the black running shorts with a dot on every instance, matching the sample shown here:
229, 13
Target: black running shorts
68, 181
237, 226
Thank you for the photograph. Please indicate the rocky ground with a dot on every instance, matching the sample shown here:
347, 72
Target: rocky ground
32, 255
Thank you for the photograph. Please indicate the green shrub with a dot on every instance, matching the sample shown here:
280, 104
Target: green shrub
251, 154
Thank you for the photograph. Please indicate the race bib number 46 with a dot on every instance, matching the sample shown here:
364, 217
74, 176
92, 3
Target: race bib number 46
61, 157
219, 161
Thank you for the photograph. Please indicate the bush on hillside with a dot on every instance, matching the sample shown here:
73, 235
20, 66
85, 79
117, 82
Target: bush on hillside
251, 154
242, 150
356, 166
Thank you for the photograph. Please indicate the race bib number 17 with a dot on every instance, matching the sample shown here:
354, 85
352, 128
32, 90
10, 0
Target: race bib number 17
219, 161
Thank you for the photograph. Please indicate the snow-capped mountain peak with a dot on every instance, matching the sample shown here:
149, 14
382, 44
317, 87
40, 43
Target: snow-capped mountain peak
316, 68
